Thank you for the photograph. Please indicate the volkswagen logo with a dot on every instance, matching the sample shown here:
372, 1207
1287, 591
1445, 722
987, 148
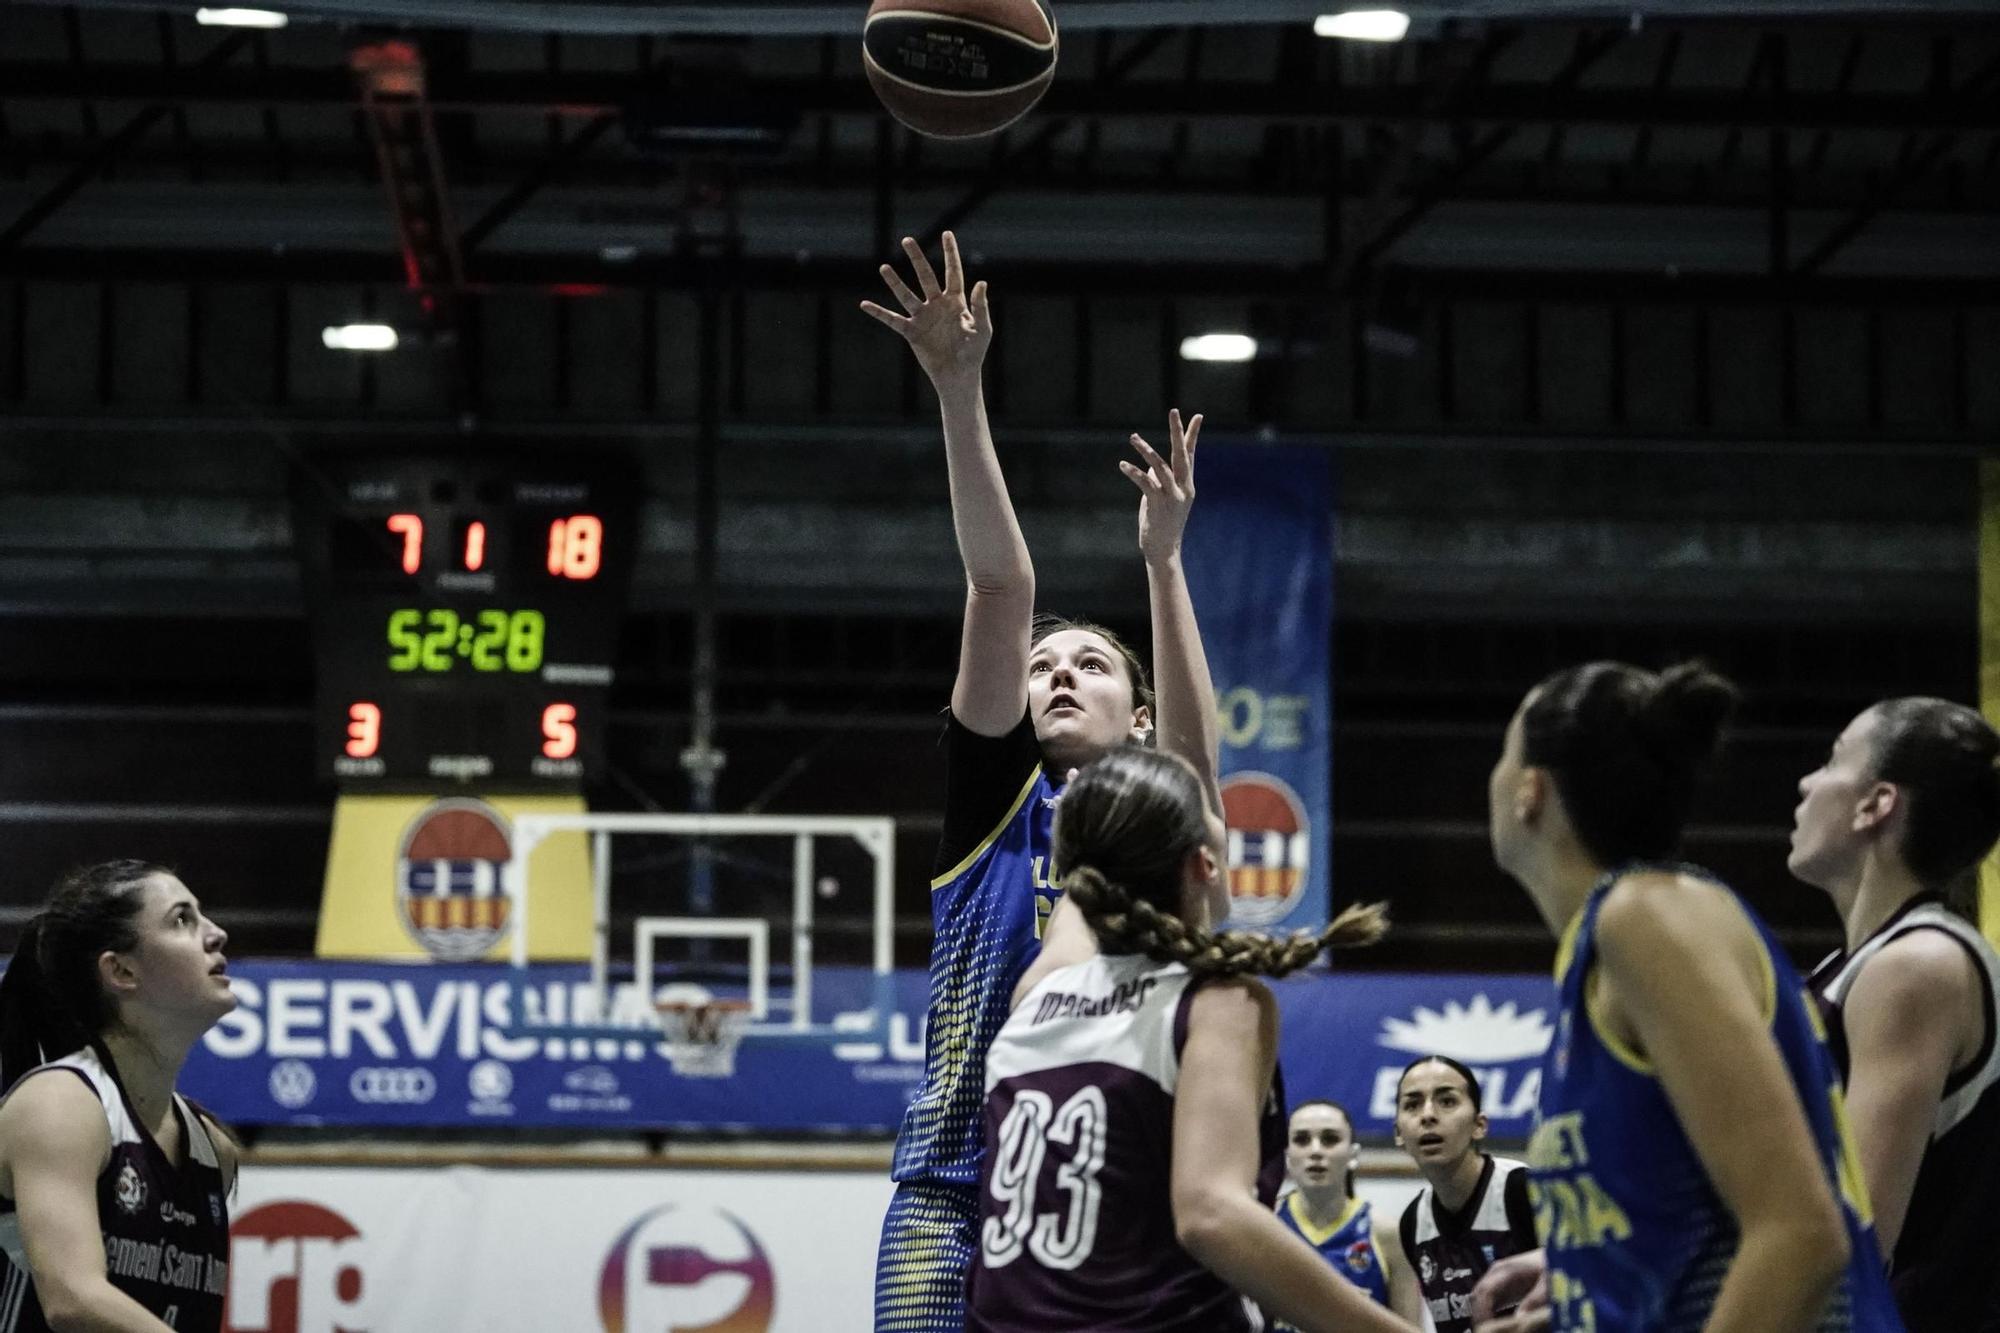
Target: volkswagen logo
407, 1087
292, 1084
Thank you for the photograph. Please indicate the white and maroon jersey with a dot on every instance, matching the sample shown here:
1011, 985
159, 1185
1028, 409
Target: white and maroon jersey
166, 1229
1076, 1212
1950, 1216
1451, 1251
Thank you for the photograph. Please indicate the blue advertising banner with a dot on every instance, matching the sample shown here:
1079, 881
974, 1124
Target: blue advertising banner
1349, 1038
358, 1044
1259, 556
341, 1043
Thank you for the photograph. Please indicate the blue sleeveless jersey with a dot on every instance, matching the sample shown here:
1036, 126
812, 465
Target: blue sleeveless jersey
1349, 1246
1636, 1236
986, 918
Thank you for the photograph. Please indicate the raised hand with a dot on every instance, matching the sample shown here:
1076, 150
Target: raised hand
1166, 490
949, 332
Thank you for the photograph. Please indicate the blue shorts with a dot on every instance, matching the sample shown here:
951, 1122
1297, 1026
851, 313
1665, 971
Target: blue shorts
928, 1241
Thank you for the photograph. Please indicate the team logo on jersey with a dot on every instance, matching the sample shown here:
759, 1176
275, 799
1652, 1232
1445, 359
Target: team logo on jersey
1360, 1258
215, 1209
1427, 1269
130, 1191
1474, 1033
296, 1267
1270, 845
450, 874
686, 1268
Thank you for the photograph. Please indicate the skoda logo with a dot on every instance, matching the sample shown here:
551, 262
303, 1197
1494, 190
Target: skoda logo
407, 1087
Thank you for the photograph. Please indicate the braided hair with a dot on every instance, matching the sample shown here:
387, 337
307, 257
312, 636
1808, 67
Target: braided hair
1123, 833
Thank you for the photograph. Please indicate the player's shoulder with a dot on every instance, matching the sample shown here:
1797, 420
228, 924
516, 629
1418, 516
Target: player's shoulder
1651, 908
53, 1109
1229, 1002
1921, 967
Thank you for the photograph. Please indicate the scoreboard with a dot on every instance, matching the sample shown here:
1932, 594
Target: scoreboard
465, 612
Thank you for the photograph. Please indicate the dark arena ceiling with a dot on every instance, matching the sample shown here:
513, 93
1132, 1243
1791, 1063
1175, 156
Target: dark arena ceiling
1637, 330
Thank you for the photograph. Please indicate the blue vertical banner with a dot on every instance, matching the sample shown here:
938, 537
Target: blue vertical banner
1259, 556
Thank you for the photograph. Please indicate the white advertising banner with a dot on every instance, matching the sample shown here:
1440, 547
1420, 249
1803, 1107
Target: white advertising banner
505, 1250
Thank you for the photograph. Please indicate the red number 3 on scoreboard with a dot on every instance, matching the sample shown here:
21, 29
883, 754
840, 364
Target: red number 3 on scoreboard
364, 730
559, 731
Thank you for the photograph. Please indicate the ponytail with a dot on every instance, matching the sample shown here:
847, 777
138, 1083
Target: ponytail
32, 1028
1125, 923
51, 1000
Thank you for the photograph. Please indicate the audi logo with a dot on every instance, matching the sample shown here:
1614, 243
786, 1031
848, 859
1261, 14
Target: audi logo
409, 1087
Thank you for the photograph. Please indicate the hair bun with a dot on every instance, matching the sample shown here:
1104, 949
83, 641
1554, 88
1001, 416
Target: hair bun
1686, 709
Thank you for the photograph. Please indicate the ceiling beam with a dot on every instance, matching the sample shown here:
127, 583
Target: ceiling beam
596, 93
584, 275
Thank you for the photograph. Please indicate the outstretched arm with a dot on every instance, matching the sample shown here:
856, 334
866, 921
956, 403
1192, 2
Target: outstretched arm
1185, 721
949, 331
1225, 1077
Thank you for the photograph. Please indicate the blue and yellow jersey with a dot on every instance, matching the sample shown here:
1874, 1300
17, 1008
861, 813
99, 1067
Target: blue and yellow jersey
1349, 1244
989, 899
1636, 1236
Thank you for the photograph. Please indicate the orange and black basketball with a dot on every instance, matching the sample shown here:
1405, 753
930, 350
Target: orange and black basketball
957, 69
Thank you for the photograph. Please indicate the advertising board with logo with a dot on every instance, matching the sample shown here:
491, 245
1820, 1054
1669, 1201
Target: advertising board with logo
338, 1250
331, 1043
1348, 1038
1259, 555
427, 878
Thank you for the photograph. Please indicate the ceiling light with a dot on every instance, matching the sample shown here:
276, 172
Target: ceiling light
240, 18
1219, 347
1364, 25
359, 337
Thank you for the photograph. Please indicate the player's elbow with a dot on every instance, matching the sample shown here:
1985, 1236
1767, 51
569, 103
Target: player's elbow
1811, 1236
1202, 1219
65, 1306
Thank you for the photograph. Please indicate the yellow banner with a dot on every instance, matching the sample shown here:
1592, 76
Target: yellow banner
426, 877
1989, 662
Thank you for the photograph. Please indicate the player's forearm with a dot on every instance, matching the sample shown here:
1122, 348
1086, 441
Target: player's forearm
95, 1307
1780, 1279
1243, 1243
1185, 693
989, 537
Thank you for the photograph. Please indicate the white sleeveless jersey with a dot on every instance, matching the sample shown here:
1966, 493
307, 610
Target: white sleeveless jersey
166, 1229
1452, 1253
1076, 1212
1951, 1205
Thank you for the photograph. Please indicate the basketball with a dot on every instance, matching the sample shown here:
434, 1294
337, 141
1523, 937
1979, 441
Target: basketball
957, 69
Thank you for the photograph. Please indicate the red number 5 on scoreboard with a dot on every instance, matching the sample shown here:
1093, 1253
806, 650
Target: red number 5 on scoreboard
559, 731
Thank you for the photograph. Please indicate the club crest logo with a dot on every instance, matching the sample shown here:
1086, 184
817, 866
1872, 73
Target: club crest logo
450, 879
130, 1191
1360, 1257
1270, 847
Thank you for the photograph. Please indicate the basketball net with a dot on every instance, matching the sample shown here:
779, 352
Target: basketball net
701, 1036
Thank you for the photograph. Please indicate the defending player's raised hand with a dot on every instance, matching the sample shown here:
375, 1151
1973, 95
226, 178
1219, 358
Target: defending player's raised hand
946, 327
1166, 488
